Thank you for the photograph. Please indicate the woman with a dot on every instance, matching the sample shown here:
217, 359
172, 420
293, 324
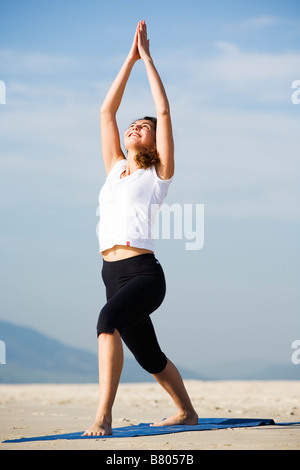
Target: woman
134, 279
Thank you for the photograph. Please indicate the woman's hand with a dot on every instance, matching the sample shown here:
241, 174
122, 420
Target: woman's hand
143, 41
134, 54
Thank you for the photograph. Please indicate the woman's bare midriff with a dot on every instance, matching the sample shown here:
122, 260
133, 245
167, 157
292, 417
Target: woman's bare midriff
119, 252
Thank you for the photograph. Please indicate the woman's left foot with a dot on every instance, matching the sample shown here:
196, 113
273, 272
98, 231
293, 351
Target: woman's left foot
179, 418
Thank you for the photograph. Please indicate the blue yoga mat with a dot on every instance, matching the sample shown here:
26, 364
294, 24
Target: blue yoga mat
144, 429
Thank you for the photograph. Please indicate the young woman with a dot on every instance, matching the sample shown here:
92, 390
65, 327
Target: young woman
135, 285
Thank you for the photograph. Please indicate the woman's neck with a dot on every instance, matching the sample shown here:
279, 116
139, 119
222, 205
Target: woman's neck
132, 165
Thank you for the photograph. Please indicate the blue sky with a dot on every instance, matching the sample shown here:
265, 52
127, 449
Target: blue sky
228, 68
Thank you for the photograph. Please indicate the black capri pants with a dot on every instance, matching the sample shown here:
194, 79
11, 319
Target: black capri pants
135, 287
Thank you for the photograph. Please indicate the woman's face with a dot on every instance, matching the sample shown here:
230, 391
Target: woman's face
140, 134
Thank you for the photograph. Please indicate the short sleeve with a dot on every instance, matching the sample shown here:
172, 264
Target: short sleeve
161, 186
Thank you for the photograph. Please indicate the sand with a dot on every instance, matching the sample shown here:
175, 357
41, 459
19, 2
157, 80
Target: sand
40, 409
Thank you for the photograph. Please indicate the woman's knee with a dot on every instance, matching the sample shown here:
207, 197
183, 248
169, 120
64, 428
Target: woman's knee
153, 364
106, 323
158, 366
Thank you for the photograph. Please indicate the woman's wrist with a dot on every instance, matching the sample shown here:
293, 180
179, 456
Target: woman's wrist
130, 61
147, 58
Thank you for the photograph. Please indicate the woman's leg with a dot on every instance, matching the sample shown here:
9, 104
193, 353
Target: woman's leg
142, 342
110, 367
170, 379
124, 307
127, 311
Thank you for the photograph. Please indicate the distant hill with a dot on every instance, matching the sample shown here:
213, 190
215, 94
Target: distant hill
252, 369
33, 357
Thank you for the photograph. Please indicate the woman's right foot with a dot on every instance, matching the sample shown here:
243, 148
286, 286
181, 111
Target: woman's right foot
99, 429
180, 418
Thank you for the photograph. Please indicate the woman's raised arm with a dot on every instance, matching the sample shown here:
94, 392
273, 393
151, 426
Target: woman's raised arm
164, 133
110, 138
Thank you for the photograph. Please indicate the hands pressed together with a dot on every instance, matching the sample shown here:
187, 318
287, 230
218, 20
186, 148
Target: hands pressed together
140, 45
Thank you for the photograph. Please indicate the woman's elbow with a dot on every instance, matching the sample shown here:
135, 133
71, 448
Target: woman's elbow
104, 109
163, 111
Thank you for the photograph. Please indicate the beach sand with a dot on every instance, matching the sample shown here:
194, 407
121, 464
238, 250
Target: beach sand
45, 409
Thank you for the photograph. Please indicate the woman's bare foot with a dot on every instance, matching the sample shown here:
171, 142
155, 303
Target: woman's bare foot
102, 428
179, 418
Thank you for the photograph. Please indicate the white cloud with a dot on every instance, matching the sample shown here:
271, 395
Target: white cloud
268, 21
235, 65
261, 21
233, 75
17, 62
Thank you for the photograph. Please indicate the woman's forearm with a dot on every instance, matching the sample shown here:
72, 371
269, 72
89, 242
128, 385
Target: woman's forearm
157, 89
114, 96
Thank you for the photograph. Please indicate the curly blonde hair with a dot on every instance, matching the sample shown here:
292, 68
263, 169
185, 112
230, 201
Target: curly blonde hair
147, 156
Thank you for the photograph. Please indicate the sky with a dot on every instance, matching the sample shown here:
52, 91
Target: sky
228, 68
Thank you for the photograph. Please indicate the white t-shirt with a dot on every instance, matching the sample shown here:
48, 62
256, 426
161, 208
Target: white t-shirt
128, 207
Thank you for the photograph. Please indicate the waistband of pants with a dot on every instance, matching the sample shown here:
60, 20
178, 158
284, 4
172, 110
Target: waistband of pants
131, 260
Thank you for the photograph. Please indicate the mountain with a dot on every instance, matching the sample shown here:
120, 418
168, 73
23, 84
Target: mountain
252, 369
33, 357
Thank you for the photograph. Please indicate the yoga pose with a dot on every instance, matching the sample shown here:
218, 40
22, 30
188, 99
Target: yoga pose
135, 188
